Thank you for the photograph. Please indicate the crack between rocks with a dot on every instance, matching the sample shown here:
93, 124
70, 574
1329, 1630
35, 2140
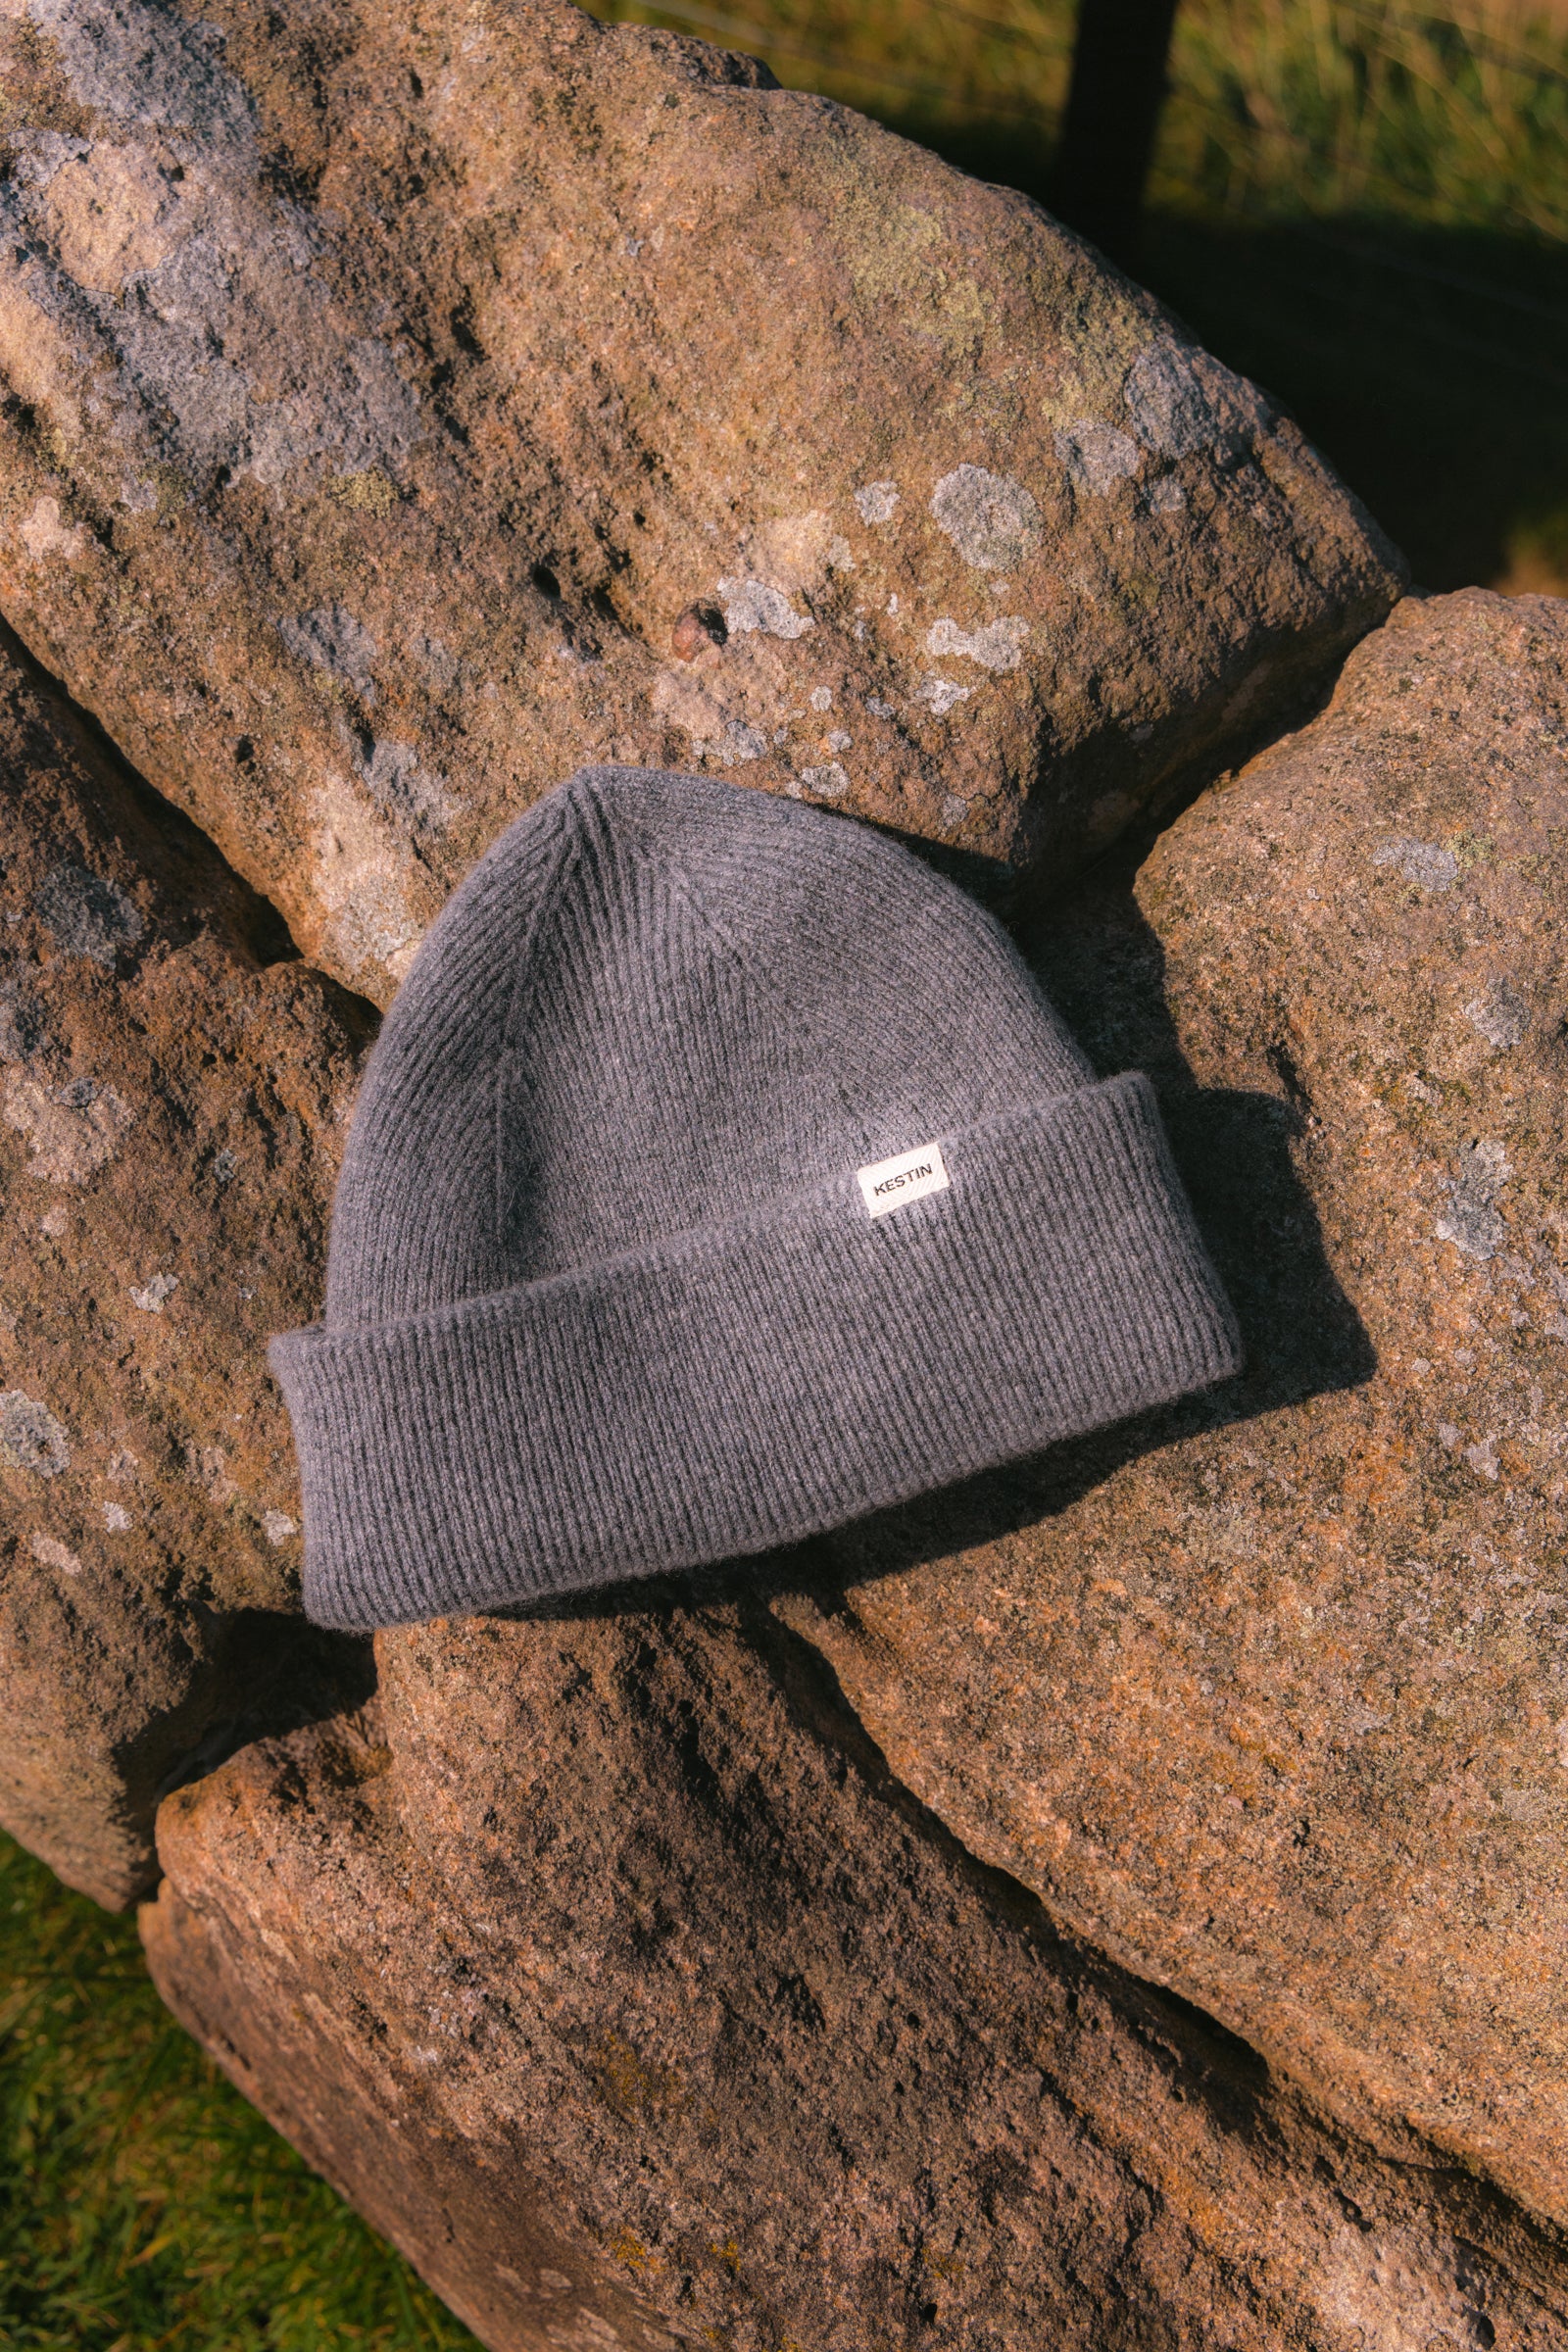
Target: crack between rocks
810, 1685
321, 1673
265, 929
1202, 2058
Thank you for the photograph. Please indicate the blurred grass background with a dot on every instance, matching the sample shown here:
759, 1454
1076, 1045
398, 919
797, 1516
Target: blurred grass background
144, 2207
1364, 203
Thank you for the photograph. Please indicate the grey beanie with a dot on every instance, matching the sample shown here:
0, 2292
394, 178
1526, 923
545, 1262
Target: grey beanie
720, 1174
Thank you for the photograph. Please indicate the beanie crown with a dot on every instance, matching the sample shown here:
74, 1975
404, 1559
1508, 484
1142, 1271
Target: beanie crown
625, 1204
696, 997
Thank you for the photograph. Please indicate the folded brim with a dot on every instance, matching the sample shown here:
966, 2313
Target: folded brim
756, 1382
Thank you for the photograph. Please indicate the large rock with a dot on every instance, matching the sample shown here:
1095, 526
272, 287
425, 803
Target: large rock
605, 1967
1269, 1696
386, 385
636, 1982
174, 1087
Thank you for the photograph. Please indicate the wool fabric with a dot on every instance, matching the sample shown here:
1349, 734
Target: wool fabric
719, 1175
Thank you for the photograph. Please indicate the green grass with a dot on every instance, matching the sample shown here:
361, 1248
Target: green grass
144, 2207
1364, 203
1304, 109
1278, 109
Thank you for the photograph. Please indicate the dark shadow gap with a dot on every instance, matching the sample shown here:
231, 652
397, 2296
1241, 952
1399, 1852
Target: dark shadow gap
252, 917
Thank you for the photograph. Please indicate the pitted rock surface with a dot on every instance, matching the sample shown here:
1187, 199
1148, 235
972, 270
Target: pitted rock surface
174, 1086
403, 408
1269, 1696
605, 1967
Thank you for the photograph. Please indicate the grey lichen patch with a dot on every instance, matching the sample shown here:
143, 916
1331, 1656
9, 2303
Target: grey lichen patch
30, 1438
45, 533
439, 664
397, 782
741, 742
230, 356
941, 695
877, 502
1179, 400
1499, 1014
50, 1553
1097, 455
88, 915
21, 1027
1473, 1223
753, 605
330, 638
992, 521
1483, 1458
829, 782
1423, 863
153, 1296
72, 1130
148, 66
358, 415
999, 646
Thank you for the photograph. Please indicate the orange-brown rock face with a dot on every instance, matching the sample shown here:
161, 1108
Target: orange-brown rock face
1267, 1696
637, 1975
605, 1967
403, 408
174, 1091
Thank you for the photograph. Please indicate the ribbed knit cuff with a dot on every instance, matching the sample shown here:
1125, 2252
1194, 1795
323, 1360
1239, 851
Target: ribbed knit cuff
756, 1382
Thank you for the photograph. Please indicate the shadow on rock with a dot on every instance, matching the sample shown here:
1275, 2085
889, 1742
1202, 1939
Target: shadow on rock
299, 1673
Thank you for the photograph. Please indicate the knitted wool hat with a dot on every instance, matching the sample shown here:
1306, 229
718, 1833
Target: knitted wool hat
720, 1174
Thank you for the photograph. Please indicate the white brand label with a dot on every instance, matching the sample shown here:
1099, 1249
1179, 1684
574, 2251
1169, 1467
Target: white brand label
890, 1182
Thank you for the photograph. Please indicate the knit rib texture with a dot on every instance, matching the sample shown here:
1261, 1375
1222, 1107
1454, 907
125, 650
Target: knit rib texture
605, 1294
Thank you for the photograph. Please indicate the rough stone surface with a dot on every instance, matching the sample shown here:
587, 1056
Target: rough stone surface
1270, 1696
173, 1091
382, 387
638, 1975
602, 1965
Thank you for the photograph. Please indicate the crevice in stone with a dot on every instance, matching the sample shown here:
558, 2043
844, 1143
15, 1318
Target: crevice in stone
319, 1674
251, 1673
257, 922
1200, 2058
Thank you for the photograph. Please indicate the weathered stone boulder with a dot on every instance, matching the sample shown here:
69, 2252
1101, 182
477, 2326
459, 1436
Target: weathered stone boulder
1270, 1696
173, 1093
605, 1967
403, 407
644, 1978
